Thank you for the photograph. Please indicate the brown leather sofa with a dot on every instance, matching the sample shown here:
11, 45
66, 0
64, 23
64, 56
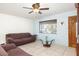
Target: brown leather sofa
20, 38
12, 50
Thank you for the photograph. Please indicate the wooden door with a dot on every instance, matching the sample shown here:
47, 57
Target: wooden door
72, 31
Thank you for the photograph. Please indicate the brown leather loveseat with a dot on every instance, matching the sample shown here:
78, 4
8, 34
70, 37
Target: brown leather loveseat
20, 38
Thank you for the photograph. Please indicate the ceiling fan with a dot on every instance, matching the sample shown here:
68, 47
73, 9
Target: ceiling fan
36, 8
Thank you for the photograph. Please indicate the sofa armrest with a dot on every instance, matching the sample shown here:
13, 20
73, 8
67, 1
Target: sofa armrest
34, 37
10, 40
8, 46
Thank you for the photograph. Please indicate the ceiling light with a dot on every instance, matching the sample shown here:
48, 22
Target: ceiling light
36, 10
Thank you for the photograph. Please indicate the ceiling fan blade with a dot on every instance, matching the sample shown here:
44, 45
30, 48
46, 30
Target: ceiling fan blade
27, 8
44, 8
40, 12
30, 12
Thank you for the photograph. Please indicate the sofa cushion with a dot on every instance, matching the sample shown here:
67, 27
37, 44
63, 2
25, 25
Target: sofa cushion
3, 52
23, 40
17, 52
18, 35
8, 46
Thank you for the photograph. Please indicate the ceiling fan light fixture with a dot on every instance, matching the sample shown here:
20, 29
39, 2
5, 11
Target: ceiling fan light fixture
36, 10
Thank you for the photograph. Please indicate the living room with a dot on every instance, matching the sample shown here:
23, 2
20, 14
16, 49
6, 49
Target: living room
27, 27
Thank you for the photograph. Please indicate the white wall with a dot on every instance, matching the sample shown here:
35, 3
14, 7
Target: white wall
13, 24
61, 37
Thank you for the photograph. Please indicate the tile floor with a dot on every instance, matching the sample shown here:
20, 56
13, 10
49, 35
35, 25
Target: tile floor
37, 49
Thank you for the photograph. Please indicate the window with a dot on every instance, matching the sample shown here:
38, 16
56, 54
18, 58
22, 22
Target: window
48, 27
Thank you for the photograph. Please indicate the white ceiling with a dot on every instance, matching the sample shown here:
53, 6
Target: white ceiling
17, 10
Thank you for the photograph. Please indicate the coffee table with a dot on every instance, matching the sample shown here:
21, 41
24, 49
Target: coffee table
47, 43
